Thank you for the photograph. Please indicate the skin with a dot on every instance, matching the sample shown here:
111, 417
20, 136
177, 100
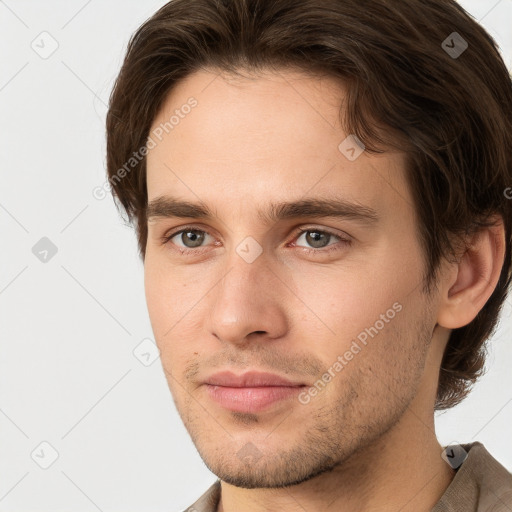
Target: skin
367, 441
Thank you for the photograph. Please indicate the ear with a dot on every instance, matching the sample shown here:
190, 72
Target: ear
468, 283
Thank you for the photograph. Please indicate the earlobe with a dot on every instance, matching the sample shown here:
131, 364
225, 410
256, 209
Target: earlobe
470, 282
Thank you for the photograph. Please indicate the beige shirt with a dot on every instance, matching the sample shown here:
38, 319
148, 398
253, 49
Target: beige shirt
481, 484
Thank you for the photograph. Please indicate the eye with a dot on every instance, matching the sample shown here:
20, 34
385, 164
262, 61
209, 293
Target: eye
189, 237
318, 239
191, 240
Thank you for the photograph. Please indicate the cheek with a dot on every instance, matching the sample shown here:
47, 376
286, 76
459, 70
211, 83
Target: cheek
338, 303
358, 324
155, 291
169, 295
384, 373
175, 311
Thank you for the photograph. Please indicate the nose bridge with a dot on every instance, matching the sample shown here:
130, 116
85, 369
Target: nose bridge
245, 282
247, 297
247, 264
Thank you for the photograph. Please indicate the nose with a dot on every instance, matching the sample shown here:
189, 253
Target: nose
248, 302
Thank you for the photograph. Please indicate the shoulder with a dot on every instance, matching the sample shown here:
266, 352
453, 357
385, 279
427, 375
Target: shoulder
481, 484
208, 501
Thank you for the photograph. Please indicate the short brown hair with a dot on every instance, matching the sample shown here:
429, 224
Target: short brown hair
449, 113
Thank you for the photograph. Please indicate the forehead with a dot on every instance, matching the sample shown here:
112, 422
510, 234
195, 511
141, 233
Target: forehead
273, 135
260, 114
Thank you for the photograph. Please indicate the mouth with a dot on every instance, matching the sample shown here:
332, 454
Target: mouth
251, 392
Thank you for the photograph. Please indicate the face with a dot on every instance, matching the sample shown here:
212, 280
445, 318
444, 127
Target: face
328, 300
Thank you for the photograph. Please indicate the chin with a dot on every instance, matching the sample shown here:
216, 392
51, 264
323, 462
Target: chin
284, 471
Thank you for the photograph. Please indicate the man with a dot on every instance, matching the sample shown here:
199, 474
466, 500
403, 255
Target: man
320, 196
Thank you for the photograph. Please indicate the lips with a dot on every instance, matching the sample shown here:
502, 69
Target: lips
249, 380
251, 392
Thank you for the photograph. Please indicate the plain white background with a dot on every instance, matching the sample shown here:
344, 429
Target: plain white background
71, 327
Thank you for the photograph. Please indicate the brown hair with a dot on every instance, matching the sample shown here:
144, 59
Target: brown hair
449, 113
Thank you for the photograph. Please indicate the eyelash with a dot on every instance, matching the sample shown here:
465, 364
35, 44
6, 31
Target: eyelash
166, 239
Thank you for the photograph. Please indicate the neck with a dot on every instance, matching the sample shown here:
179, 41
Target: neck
402, 470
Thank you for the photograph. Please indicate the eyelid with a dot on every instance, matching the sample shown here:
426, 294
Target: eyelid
321, 229
343, 238
166, 238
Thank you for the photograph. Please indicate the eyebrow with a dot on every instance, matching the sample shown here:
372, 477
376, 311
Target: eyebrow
309, 207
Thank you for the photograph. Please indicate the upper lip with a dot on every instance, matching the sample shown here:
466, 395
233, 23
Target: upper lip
249, 379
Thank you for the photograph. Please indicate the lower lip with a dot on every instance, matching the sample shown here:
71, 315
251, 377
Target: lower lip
250, 399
